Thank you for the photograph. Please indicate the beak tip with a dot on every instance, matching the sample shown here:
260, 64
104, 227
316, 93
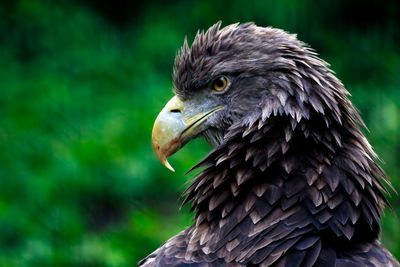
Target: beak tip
167, 165
162, 157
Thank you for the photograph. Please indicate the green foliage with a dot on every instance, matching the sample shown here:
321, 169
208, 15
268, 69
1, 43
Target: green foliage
80, 89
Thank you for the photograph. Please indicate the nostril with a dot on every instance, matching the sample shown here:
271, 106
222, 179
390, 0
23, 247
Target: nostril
175, 110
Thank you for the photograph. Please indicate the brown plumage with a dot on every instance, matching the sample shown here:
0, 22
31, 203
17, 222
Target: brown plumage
291, 181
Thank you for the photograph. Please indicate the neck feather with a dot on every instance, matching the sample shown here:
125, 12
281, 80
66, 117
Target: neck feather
280, 178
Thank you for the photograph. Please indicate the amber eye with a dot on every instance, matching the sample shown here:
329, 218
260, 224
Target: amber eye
220, 83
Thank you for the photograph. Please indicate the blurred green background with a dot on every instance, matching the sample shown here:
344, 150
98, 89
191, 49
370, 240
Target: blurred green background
81, 83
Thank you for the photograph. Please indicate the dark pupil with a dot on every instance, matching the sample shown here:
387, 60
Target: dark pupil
219, 82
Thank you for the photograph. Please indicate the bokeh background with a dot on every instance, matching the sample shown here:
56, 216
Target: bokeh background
81, 83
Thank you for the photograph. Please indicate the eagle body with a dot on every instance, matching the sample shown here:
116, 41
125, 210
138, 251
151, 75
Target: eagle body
291, 180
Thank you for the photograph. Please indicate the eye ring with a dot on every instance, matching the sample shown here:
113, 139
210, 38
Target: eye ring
220, 83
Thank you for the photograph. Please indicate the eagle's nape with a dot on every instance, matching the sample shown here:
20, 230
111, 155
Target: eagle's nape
291, 181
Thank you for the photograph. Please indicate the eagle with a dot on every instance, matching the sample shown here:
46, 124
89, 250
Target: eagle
291, 180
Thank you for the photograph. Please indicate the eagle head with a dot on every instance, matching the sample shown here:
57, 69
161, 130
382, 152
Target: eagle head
243, 74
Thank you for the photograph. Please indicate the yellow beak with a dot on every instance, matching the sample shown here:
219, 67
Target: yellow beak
173, 128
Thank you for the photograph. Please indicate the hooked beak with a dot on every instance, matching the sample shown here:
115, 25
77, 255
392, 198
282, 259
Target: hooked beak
174, 127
